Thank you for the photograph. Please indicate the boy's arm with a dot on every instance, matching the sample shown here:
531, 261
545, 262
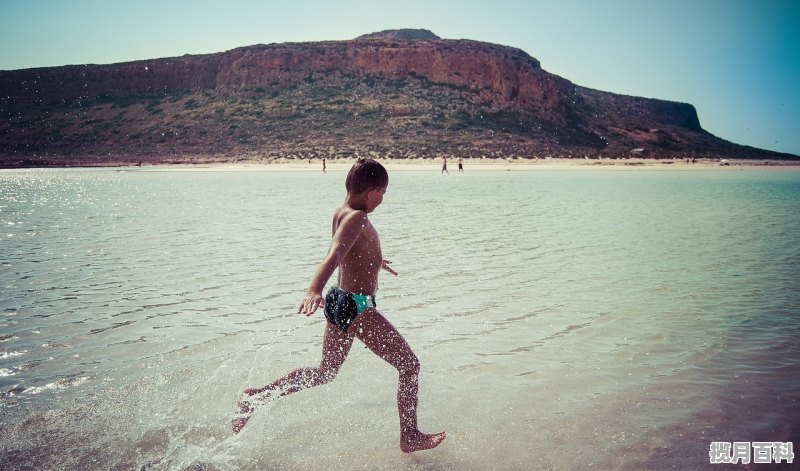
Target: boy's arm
343, 240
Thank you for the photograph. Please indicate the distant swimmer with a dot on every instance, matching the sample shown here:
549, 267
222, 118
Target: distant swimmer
351, 310
444, 165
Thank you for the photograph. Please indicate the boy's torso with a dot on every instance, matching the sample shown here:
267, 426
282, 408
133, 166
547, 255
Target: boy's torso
358, 269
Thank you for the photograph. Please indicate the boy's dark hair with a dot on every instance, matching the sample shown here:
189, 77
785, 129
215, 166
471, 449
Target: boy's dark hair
366, 174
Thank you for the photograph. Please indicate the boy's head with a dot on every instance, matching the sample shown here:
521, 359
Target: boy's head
366, 174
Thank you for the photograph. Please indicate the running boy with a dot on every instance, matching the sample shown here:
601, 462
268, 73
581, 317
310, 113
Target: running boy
350, 309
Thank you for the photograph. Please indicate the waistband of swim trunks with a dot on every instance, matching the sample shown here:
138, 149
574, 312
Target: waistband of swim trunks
336, 287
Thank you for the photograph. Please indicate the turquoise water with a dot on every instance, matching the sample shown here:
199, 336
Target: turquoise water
564, 320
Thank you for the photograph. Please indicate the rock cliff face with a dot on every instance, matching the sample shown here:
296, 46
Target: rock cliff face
405, 93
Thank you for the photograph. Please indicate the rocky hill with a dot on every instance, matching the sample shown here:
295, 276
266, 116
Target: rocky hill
401, 94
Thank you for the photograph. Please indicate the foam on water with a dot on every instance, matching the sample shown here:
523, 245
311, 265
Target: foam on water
563, 320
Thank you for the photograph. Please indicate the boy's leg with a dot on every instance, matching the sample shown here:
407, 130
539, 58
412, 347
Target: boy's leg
380, 336
335, 347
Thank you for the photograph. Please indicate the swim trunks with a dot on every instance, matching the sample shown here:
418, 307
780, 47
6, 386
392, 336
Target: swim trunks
341, 306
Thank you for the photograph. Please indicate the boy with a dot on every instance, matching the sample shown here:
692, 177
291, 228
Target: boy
350, 308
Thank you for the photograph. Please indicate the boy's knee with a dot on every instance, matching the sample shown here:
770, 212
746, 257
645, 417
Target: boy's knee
325, 376
410, 366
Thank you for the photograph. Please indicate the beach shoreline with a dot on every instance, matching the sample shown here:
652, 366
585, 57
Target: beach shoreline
435, 165
429, 164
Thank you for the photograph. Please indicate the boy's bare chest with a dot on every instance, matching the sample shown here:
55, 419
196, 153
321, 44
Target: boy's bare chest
368, 242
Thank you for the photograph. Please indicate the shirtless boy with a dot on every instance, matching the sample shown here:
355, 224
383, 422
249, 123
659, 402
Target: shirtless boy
350, 309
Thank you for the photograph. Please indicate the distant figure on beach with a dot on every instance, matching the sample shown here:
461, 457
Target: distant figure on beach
351, 311
444, 165
460, 165
323, 166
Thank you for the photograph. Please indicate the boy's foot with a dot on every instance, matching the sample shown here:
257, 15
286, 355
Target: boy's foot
421, 441
240, 420
246, 407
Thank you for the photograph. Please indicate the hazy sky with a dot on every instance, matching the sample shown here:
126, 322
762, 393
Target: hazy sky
736, 61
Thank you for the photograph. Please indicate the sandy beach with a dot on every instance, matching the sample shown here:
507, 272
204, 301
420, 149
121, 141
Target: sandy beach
557, 164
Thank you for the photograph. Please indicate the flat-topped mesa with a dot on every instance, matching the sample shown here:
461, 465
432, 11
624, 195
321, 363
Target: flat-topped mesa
507, 76
405, 91
504, 74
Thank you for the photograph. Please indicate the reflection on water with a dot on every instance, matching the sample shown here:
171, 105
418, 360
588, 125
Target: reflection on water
563, 319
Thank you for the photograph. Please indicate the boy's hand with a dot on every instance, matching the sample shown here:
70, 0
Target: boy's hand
385, 266
310, 303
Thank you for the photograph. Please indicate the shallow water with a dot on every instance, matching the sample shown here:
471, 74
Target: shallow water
564, 320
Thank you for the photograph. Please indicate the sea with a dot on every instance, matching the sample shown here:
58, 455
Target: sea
578, 319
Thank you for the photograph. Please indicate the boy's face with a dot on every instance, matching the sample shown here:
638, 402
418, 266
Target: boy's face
374, 198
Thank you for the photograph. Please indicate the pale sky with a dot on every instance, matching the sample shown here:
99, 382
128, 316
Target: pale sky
736, 61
